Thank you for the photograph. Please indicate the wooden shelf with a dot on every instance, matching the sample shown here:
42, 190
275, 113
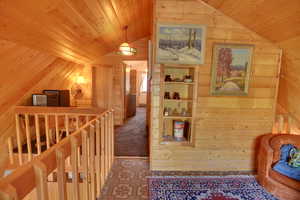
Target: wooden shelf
172, 141
188, 101
182, 83
178, 100
177, 117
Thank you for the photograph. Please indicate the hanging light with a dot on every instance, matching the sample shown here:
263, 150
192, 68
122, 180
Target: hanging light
124, 48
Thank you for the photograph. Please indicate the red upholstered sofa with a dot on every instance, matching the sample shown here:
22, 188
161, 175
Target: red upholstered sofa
279, 185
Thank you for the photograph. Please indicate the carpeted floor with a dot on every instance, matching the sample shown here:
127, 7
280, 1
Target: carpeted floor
131, 139
128, 179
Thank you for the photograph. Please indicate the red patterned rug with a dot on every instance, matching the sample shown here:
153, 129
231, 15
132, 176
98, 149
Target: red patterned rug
207, 188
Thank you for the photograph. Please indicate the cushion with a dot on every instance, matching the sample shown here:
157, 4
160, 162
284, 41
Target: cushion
285, 152
287, 170
294, 158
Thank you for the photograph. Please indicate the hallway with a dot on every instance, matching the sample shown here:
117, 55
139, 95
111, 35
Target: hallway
131, 139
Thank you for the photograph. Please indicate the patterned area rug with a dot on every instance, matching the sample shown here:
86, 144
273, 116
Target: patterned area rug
207, 188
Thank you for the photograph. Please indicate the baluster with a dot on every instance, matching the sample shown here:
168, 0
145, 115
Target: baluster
92, 161
112, 137
28, 137
40, 171
103, 170
113, 134
67, 125
77, 127
106, 146
67, 128
98, 157
85, 165
10, 150
109, 140
19, 139
61, 174
38, 134
74, 163
56, 129
47, 130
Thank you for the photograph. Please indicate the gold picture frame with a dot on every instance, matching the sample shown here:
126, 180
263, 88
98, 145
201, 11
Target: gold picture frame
231, 68
180, 44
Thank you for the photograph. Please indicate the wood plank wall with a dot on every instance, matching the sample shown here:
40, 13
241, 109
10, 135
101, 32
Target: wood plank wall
226, 127
289, 90
119, 93
25, 71
102, 86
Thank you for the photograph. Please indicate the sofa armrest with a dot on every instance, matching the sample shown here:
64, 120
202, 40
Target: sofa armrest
265, 157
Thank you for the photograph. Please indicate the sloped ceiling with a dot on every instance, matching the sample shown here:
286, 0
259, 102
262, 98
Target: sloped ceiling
78, 30
276, 20
279, 22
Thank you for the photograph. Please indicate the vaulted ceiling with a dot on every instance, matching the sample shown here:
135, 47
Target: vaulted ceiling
276, 20
84, 30
78, 30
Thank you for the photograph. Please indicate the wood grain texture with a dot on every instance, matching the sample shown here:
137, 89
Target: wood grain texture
279, 22
289, 92
25, 71
226, 127
79, 31
276, 20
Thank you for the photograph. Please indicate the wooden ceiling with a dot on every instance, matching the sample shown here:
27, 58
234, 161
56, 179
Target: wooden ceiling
276, 20
78, 30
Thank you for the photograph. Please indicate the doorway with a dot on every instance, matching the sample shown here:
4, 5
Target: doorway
131, 138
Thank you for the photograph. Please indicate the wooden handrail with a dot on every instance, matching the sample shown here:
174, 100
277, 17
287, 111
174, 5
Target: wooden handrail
97, 132
58, 110
35, 122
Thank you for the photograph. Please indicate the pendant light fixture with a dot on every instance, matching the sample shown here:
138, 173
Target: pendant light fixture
124, 48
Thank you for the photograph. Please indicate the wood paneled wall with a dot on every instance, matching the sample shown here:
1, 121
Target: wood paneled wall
226, 127
25, 71
119, 93
289, 90
102, 86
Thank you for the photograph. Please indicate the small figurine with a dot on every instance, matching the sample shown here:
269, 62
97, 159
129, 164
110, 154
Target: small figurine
166, 112
176, 95
167, 95
188, 79
175, 112
183, 112
168, 78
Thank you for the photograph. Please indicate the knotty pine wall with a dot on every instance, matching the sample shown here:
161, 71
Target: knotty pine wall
226, 127
289, 91
25, 71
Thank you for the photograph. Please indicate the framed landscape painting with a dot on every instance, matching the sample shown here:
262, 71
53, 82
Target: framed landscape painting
180, 44
231, 67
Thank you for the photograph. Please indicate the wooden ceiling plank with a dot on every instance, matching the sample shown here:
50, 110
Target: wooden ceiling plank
51, 27
76, 30
16, 28
112, 25
275, 20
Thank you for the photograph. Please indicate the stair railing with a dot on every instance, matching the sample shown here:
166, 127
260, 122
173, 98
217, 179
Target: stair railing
87, 155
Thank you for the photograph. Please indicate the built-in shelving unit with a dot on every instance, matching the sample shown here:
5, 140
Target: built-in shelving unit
178, 112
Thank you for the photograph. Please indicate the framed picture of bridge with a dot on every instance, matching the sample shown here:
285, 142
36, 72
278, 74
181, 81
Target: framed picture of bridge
180, 44
231, 65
